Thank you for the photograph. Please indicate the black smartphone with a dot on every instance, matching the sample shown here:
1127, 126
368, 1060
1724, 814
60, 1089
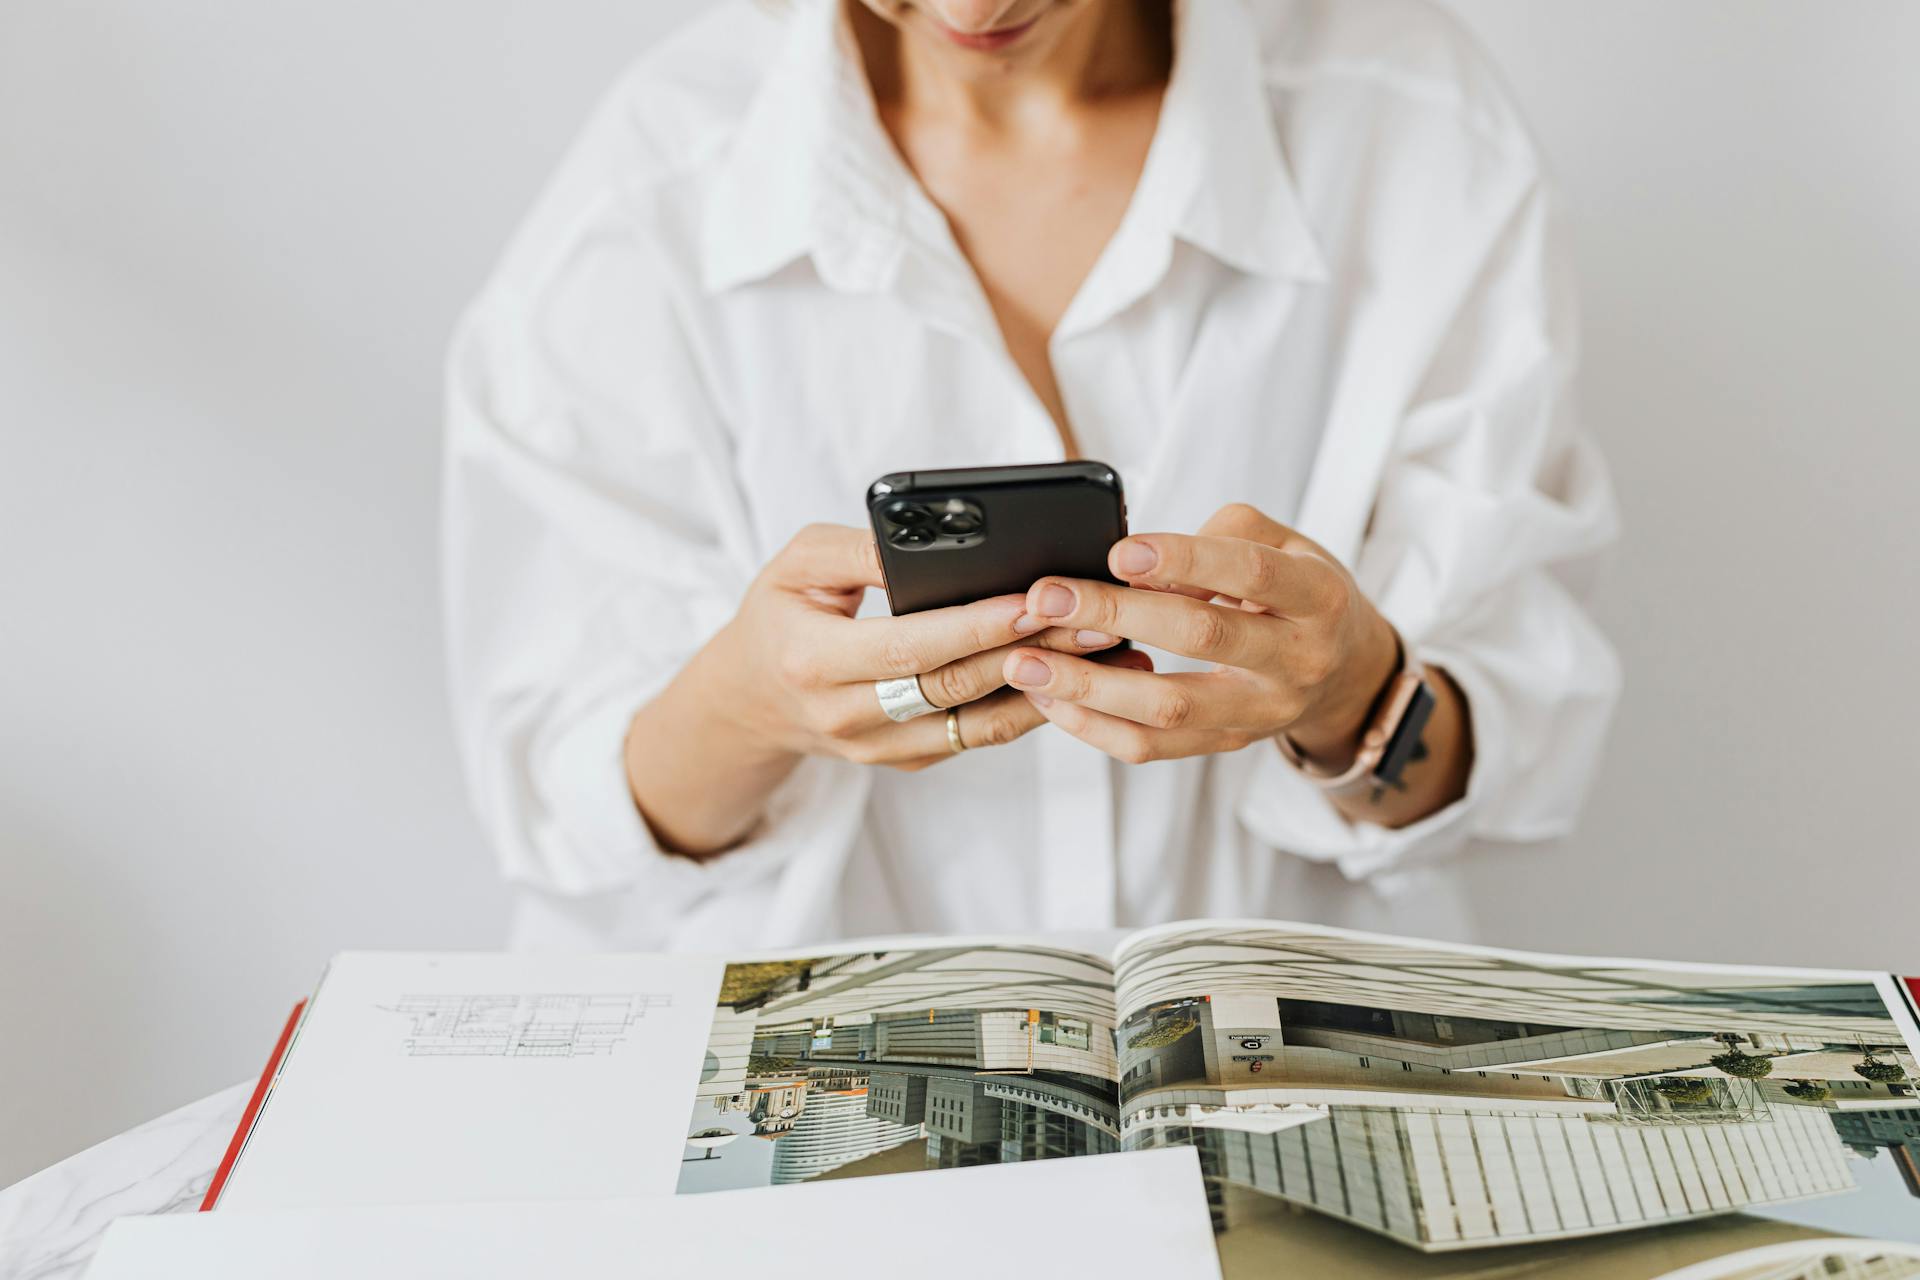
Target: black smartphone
956, 536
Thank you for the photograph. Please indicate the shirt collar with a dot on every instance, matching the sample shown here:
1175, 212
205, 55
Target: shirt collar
812, 172
1215, 175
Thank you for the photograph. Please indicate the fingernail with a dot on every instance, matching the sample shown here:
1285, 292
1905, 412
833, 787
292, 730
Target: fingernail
1135, 557
1026, 624
1039, 699
1030, 671
1093, 639
1055, 602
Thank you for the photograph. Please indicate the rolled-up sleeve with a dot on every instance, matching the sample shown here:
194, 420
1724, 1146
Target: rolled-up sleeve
1491, 508
593, 541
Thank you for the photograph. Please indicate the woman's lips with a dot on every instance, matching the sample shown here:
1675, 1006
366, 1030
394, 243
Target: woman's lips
985, 41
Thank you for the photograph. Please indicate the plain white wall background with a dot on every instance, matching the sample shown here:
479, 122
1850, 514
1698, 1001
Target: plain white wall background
233, 238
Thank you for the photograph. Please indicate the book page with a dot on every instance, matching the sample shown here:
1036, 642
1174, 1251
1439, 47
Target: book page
482, 1077
841, 1065
1373, 1105
944, 1226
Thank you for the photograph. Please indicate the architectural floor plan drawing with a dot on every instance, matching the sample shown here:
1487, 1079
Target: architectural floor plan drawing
548, 1025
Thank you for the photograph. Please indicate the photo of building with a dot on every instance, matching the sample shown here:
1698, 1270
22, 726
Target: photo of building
1360, 1106
1451, 1100
1828, 1260
884, 1062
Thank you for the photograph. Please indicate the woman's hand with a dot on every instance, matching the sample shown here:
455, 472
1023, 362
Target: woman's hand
795, 669
792, 675
1298, 650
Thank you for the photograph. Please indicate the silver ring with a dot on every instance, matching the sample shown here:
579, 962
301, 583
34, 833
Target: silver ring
902, 699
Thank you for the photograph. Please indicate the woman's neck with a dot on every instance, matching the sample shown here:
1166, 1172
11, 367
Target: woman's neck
1107, 50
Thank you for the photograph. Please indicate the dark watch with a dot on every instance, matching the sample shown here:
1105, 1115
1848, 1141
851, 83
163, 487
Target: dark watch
1392, 739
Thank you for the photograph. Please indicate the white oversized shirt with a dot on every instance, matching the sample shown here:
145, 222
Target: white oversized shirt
1337, 294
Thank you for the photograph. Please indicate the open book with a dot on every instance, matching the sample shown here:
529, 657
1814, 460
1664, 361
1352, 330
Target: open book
1360, 1104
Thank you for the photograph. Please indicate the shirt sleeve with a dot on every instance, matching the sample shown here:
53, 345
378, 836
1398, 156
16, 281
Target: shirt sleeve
593, 540
1490, 510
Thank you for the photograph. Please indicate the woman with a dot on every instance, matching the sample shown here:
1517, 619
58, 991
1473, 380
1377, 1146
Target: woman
1288, 265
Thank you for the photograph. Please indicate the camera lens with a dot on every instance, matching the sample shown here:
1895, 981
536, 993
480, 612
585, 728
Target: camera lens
911, 537
960, 523
907, 514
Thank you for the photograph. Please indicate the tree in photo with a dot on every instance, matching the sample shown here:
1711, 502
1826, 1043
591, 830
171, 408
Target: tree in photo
1163, 1034
1808, 1091
744, 984
1742, 1065
1872, 1068
1685, 1090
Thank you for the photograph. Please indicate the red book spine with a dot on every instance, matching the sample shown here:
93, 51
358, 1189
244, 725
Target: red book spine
252, 1112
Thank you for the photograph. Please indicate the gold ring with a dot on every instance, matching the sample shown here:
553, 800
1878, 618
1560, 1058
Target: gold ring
953, 731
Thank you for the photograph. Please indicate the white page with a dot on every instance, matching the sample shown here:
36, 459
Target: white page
1143, 1213
483, 1077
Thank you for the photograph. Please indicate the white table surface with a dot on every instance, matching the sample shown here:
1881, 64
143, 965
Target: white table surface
51, 1222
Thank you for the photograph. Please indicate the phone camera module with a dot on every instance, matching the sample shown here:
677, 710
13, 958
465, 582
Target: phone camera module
910, 537
960, 523
933, 524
